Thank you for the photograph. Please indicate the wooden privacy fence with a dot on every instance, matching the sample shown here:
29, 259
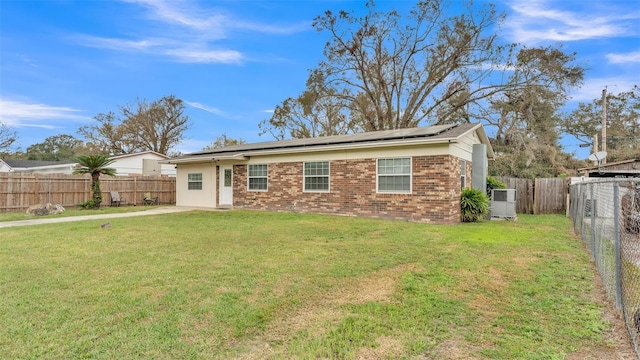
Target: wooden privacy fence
18, 191
524, 193
542, 196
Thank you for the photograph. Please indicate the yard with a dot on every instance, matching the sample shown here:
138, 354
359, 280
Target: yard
254, 285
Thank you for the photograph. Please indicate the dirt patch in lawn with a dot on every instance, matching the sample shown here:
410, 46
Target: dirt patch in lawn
377, 287
388, 348
327, 309
619, 345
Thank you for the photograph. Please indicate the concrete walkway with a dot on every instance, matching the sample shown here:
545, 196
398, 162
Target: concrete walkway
155, 211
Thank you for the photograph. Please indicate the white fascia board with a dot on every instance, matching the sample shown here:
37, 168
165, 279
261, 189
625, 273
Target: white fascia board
200, 159
353, 146
61, 166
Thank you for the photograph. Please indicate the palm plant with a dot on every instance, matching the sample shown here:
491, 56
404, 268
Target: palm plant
95, 165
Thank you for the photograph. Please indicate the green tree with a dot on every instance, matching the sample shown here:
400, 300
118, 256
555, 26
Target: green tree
156, 126
224, 141
526, 117
623, 124
56, 148
95, 165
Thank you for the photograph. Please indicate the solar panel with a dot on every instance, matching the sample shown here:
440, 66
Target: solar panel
335, 139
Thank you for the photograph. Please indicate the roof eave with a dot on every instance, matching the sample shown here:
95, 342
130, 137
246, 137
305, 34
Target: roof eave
354, 146
201, 159
479, 129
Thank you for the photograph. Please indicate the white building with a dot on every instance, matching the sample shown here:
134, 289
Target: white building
144, 163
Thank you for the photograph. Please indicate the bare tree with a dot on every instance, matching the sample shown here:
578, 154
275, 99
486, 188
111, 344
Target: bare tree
7, 138
317, 112
223, 141
157, 126
387, 71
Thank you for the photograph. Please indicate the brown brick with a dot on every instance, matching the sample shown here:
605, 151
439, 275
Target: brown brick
435, 196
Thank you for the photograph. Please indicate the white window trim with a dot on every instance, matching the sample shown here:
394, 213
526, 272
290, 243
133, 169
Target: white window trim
304, 177
410, 176
189, 182
463, 175
258, 177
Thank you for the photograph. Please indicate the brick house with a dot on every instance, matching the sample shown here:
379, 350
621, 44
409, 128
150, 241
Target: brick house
411, 174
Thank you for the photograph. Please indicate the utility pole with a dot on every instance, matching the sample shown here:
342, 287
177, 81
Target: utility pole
604, 122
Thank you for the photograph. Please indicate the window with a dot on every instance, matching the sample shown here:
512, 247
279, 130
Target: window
257, 177
227, 177
316, 176
463, 174
394, 175
194, 181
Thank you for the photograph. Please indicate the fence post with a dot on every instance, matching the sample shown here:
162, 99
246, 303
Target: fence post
616, 231
583, 202
593, 223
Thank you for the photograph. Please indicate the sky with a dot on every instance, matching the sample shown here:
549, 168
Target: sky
233, 61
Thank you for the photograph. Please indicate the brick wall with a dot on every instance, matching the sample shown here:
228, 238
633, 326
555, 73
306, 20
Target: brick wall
435, 196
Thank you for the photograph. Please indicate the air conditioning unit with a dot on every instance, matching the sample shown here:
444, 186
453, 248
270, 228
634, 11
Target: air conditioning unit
503, 203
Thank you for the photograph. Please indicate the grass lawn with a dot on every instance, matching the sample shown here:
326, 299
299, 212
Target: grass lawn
254, 285
22, 215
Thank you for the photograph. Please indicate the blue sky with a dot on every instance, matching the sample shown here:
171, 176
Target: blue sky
232, 62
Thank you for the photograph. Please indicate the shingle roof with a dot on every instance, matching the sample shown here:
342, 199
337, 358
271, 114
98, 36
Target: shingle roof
431, 131
431, 134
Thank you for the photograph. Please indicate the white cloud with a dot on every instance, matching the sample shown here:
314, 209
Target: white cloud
189, 32
215, 21
24, 114
205, 56
632, 57
164, 46
592, 88
533, 21
206, 108
185, 14
270, 111
119, 44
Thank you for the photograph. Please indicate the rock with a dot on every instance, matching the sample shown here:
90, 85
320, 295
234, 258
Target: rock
47, 209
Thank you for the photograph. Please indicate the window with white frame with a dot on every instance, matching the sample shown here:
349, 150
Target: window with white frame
257, 177
316, 176
394, 175
463, 174
194, 181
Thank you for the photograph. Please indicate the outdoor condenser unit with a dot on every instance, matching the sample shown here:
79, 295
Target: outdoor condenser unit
503, 203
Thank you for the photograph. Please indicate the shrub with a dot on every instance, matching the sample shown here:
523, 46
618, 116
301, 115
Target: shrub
493, 183
89, 204
474, 205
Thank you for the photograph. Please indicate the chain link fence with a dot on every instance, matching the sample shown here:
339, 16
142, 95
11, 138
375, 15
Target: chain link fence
606, 213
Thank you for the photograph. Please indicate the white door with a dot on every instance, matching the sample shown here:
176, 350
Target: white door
226, 185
